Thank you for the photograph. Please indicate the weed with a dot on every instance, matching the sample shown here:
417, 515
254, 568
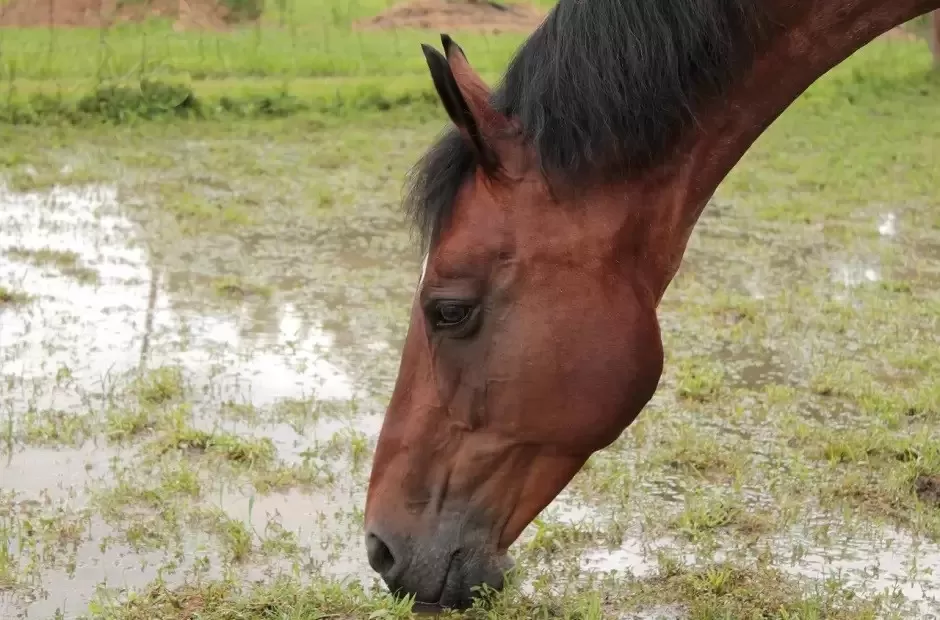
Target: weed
66, 262
12, 298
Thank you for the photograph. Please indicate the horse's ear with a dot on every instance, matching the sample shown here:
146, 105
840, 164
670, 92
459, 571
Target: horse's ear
466, 99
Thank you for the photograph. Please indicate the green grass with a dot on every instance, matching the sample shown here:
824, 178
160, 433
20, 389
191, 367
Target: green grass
301, 56
713, 592
66, 262
9, 297
309, 38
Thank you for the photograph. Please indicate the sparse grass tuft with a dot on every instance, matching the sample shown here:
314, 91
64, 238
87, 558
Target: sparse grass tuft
282, 598
232, 287
159, 386
704, 515
726, 591
699, 380
68, 263
10, 297
51, 428
248, 452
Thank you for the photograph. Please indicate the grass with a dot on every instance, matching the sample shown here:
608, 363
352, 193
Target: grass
313, 38
234, 287
66, 262
301, 57
10, 297
798, 410
716, 591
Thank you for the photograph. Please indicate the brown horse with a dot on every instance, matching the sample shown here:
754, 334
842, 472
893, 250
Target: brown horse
556, 212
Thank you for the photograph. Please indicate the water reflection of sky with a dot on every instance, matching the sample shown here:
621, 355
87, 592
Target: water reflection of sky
102, 330
130, 319
882, 560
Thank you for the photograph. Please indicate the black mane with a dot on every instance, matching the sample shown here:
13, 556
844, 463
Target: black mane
601, 87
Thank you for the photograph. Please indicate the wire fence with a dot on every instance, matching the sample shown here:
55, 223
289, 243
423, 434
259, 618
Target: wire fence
68, 48
214, 39
73, 57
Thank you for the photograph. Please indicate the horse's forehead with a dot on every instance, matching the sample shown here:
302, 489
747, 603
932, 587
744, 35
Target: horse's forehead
523, 220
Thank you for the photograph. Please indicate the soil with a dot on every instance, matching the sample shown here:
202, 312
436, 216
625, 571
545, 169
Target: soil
928, 489
187, 14
456, 15
902, 33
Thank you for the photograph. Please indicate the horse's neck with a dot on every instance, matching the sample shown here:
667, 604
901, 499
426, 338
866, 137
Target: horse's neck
804, 40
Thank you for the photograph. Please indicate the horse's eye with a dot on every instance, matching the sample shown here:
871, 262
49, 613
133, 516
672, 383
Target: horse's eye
451, 314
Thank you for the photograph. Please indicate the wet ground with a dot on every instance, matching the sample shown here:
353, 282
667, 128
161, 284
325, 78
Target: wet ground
199, 330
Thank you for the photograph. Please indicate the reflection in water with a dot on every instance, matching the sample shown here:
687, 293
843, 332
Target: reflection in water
884, 561
288, 364
116, 570
633, 557
70, 346
105, 329
851, 274
888, 226
63, 474
91, 329
152, 296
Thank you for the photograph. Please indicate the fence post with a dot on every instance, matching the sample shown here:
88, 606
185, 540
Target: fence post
933, 36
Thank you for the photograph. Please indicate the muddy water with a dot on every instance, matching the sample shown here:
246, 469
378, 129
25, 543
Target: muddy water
322, 326
105, 330
878, 561
76, 342
750, 262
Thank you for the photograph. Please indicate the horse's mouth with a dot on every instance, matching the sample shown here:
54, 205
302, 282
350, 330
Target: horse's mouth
424, 607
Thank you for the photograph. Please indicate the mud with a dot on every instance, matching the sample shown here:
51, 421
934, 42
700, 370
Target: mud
463, 15
77, 344
928, 490
185, 14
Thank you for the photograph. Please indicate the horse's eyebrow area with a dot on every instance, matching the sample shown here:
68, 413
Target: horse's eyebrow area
455, 266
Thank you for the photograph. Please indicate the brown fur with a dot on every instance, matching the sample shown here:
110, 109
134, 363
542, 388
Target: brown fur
489, 422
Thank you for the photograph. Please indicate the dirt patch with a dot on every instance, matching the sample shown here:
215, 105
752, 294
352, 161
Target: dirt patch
457, 15
902, 33
916, 29
186, 14
928, 490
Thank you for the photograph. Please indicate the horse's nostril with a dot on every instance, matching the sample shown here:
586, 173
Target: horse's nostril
380, 556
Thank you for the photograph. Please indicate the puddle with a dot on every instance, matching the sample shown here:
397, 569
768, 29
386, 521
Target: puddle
108, 574
634, 557
887, 227
880, 561
885, 561
659, 612
64, 471
77, 339
325, 521
853, 273
126, 320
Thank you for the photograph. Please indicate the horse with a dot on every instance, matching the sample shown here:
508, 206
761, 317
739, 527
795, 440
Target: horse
554, 212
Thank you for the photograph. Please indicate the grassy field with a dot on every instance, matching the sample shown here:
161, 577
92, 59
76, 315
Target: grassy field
200, 323
307, 38
303, 54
